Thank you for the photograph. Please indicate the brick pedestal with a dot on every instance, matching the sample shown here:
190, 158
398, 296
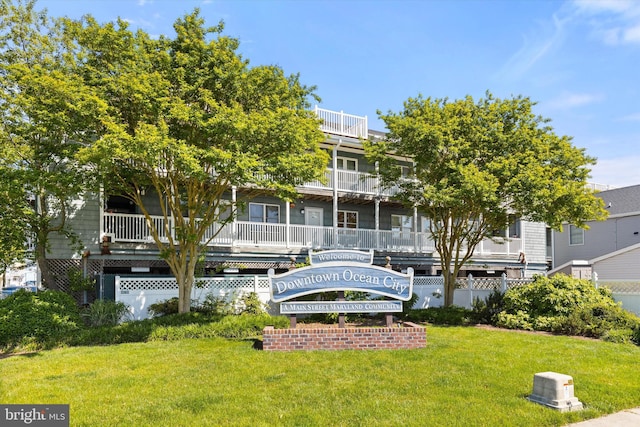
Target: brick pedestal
409, 335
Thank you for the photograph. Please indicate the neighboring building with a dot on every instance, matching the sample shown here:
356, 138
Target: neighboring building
350, 211
619, 232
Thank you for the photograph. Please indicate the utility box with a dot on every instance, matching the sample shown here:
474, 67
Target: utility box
555, 391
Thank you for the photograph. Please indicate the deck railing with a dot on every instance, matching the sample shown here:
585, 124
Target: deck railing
133, 228
339, 123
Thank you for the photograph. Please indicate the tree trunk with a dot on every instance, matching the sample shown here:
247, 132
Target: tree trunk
449, 289
47, 278
184, 296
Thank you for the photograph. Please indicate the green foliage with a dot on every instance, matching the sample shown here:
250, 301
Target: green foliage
562, 304
179, 326
215, 305
105, 313
635, 335
79, 283
40, 318
470, 171
452, 315
192, 104
244, 326
163, 308
46, 114
251, 304
485, 311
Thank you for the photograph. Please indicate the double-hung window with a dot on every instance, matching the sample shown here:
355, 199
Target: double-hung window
576, 235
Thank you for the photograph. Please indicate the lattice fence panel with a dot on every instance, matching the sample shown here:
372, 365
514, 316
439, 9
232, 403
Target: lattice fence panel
147, 283
620, 286
428, 281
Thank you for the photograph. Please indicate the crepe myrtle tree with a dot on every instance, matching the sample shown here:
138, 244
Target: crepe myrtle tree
189, 121
478, 163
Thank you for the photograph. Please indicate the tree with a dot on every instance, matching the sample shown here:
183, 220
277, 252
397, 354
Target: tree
14, 210
46, 114
190, 122
474, 164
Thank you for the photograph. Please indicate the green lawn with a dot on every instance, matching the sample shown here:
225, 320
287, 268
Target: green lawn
465, 376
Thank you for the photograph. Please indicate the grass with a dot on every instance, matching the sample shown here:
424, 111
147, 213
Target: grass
465, 376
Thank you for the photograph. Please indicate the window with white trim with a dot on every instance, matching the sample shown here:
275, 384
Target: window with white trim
261, 212
347, 219
347, 163
576, 235
402, 223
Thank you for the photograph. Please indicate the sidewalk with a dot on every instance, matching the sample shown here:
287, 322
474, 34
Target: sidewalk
626, 418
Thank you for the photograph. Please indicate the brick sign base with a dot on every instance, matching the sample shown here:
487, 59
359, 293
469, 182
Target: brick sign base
409, 335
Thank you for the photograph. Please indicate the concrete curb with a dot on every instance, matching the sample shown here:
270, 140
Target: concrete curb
626, 418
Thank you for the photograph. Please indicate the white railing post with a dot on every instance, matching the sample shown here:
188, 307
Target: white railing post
594, 279
470, 286
504, 282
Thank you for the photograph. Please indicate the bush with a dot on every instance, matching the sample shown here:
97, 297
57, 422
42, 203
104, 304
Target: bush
562, 304
164, 308
635, 335
37, 319
452, 315
106, 313
251, 304
244, 326
486, 311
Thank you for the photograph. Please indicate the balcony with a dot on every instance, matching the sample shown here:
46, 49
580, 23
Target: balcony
352, 182
132, 228
341, 124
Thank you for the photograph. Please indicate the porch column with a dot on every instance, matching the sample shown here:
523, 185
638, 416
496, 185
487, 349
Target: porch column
415, 230
377, 220
335, 194
287, 216
234, 209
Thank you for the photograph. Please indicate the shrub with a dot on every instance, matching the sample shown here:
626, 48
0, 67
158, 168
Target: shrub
37, 319
635, 335
565, 305
485, 311
105, 313
452, 315
164, 308
215, 305
250, 304
245, 326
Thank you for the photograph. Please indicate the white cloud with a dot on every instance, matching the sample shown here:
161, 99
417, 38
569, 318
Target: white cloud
568, 100
614, 22
618, 172
536, 45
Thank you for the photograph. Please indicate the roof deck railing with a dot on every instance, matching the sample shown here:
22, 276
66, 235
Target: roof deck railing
341, 124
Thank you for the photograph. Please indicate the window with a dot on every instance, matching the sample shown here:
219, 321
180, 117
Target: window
406, 171
259, 212
347, 164
347, 219
514, 226
576, 235
402, 223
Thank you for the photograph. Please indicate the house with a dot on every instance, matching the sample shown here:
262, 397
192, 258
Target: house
349, 211
603, 239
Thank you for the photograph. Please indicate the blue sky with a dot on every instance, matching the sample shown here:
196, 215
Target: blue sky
579, 60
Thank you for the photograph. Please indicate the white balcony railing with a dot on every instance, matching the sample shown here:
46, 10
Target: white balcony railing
342, 124
352, 182
133, 228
